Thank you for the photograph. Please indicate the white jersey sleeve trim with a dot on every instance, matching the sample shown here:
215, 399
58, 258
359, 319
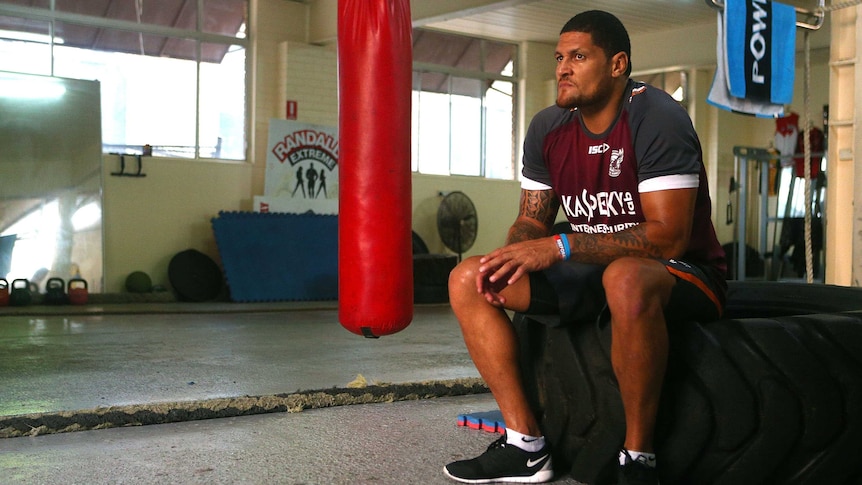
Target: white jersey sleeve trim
529, 184
667, 182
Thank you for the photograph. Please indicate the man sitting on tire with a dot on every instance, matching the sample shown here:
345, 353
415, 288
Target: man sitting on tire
622, 159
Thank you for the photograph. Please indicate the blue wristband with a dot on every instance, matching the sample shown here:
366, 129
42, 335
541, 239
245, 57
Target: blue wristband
568, 250
563, 245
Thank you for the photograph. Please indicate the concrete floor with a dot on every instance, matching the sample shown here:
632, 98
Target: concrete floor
57, 360
80, 361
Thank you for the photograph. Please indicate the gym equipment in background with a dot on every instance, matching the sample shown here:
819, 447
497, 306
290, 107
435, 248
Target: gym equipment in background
195, 276
20, 294
55, 292
78, 291
375, 79
278, 256
770, 393
457, 222
139, 282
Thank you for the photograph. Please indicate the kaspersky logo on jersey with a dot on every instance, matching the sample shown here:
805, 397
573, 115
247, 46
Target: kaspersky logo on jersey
588, 205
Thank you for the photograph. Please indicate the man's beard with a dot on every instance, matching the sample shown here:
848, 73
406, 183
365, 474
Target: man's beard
583, 101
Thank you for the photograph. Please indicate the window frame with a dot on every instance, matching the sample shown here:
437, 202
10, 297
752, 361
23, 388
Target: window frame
481, 75
51, 15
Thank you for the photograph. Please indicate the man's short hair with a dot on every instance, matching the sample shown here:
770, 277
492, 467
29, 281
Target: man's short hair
608, 33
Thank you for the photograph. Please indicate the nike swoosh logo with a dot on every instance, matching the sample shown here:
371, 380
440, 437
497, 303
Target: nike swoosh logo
532, 463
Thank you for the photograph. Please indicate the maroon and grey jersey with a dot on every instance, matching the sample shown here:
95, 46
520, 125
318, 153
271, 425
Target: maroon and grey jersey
598, 178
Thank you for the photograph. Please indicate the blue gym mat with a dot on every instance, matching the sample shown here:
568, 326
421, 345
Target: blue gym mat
277, 256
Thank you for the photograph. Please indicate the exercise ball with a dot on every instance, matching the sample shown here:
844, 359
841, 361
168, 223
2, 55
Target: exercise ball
138, 282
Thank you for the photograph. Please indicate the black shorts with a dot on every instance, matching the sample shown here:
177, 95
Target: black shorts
573, 291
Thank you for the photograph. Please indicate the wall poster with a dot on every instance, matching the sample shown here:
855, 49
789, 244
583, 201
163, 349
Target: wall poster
301, 169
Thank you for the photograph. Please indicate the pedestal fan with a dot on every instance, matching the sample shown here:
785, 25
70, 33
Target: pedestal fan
457, 222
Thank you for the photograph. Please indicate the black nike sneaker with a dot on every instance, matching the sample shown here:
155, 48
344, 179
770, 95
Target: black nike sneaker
637, 472
503, 462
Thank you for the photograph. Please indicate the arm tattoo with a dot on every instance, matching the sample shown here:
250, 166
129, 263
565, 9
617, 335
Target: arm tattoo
536, 214
541, 205
523, 231
604, 248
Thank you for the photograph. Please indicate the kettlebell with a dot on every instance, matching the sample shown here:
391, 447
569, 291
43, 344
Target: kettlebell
77, 289
55, 292
20, 295
4, 292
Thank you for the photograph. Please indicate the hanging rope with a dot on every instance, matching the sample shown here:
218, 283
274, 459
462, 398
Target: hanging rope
806, 133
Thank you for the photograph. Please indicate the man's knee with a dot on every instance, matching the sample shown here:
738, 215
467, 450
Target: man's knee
637, 282
624, 274
462, 279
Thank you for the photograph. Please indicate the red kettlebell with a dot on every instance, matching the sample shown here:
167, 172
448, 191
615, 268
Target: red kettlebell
4, 292
77, 291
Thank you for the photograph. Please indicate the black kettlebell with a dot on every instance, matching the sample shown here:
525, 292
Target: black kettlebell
55, 292
20, 295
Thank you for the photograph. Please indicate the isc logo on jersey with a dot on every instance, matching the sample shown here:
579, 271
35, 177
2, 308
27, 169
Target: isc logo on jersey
598, 149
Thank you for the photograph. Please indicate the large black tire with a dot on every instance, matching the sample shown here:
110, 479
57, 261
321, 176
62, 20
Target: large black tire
772, 398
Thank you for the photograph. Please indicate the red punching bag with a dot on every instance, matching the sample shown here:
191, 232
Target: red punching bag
375, 259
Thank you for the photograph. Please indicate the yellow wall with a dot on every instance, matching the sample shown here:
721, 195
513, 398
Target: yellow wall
496, 204
148, 220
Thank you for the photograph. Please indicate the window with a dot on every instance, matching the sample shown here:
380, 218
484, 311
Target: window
172, 72
674, 83
463, 106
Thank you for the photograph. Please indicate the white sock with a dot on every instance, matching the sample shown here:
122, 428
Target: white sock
647, 459
524, 442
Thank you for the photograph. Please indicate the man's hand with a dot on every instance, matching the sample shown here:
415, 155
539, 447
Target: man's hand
504, 266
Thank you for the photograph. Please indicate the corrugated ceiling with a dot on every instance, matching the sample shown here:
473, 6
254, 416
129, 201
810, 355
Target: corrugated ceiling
220, 17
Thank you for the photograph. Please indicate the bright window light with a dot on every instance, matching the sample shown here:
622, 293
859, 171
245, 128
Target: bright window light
42, 89
28, 37
87, 216
37, 241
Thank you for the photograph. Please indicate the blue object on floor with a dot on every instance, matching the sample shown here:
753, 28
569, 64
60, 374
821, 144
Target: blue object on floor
277, 256
490, 421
